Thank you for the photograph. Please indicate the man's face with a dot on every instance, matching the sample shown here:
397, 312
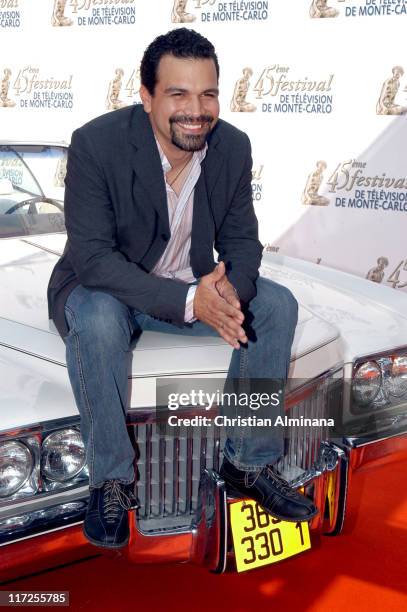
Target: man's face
185, 105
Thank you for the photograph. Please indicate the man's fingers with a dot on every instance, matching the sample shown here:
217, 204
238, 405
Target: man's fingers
230, 327
230, 339
231, 299
223, 307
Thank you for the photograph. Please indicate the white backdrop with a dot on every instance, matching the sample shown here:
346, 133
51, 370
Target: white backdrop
322, 95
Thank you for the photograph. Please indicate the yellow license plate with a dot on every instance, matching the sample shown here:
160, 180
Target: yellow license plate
260, 539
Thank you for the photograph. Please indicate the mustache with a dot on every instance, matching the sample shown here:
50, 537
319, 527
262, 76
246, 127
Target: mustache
192, 120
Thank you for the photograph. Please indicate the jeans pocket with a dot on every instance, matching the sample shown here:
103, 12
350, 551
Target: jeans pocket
70, 322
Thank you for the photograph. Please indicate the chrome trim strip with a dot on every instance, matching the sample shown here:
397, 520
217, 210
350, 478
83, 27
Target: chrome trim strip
357, 443
222, 568
41, 247
19, 350
43, 501
36, 535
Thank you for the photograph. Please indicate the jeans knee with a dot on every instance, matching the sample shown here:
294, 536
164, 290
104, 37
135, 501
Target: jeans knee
99, 318
277, 300
290, 305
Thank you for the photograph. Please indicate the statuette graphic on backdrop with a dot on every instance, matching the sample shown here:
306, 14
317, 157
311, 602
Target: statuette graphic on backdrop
239, 104
310, 195
179, 13
5, 101
320, 10
113, 92
386, 104
58, 14
116, 90
376, 274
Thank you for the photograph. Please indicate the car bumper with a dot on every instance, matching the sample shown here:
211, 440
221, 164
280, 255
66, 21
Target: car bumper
336, 492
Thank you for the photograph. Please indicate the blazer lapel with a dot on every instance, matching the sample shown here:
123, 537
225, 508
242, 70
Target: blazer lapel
147, 164
213, 162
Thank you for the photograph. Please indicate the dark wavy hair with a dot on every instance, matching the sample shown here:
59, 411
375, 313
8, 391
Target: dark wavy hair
181, 42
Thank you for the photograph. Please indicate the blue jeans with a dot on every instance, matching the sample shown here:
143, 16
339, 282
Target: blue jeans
98, 349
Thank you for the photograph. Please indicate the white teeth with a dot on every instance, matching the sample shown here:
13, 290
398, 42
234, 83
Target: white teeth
190, 127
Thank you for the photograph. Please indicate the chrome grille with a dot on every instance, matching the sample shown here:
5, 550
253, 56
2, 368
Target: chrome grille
169, 464
169, 468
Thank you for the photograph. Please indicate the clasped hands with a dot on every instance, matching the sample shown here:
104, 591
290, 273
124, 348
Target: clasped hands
216, 303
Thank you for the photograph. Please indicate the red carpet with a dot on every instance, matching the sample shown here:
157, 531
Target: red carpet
364, 569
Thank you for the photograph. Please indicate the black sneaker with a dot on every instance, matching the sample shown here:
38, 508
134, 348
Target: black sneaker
272, 492
106, 522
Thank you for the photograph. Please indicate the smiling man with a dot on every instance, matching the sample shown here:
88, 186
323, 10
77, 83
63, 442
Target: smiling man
150, 191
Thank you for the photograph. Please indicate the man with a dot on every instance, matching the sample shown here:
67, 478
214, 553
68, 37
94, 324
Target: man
137, 259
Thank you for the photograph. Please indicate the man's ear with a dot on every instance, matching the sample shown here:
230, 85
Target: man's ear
145, 98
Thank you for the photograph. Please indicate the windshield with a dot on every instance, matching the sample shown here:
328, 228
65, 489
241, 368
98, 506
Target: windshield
31, 189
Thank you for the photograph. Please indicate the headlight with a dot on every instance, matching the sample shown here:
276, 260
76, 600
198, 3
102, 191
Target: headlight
397, 381
16, 465
366, 383
62, 455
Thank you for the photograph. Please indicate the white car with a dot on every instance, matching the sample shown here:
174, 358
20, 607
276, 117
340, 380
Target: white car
349, 363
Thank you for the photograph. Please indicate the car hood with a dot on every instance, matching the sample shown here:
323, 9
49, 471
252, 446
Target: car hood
340, 316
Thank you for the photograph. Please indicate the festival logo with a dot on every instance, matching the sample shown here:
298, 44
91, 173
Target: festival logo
355, 187
257, 183
5, 100
10, 14
215, 11
386, 104
93, 12
319, 9
115, 90
310, 195
357, 8
33, 89
281, 91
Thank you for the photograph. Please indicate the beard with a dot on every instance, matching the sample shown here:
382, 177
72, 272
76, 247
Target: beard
190, 142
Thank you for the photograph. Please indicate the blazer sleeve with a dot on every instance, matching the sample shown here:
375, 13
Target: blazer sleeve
93, 249
237, 240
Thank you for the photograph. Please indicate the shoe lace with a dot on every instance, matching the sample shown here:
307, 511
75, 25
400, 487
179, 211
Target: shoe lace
279, 483
114, 498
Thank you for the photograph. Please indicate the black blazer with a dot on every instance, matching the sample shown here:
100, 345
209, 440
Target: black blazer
117, 218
